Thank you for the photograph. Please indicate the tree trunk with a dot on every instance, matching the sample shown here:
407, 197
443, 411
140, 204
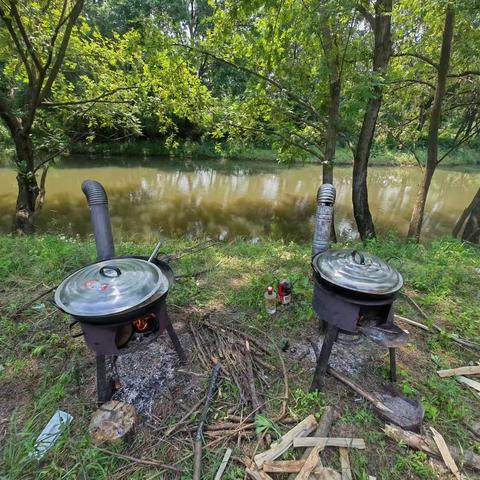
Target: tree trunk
472, 228
416, 221
27, 185
381, 25
464, 216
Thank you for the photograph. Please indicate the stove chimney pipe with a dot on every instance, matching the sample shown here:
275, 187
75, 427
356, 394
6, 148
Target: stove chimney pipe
102, 229
323, 218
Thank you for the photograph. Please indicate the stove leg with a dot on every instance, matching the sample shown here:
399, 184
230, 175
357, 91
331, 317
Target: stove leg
176, 342
322, 360
105, 384
393, 364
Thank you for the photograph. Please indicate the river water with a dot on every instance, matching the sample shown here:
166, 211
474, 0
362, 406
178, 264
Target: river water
228, 199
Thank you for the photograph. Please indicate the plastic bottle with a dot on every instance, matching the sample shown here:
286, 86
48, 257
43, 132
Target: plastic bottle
284, 292
270, 301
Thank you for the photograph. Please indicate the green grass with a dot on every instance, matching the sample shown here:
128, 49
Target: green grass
42, 368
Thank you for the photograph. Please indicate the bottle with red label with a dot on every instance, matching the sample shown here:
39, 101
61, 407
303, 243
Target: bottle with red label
284, 292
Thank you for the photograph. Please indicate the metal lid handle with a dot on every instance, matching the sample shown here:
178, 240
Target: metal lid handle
110, 271
355, 255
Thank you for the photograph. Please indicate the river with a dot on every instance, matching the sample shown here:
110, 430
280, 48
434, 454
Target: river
229, 199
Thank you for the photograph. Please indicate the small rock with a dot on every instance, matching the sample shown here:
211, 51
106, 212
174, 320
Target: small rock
112, 422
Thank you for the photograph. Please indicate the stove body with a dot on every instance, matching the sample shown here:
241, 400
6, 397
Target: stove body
349, 312
124, 333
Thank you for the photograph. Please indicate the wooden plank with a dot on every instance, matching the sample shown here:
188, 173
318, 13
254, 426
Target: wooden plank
322, 430
412, 322
258, 474
223, 464
329, 442
326, 473
310, 463
466, 457
469, 382
445, 452
345, 464
283, 466
469, 370
305, 427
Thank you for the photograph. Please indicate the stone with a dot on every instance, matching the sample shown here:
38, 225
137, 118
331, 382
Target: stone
114, 421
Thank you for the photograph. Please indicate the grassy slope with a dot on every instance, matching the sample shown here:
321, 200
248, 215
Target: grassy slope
42, 368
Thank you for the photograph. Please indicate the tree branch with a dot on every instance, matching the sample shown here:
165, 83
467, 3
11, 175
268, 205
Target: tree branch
24, 34
72, 19
465, 74
16, 41
261, 76
419, 56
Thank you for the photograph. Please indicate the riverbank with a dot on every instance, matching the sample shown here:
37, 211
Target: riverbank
43, 368
381, 156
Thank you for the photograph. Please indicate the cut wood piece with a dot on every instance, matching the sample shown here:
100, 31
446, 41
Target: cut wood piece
258, 474
445, 452
419, 442
329, 442
283, 466
469, 382
469, 370
412, 322
322, 430
223, 464
345, 464
114, 421
305, 427
326, 473
310, 463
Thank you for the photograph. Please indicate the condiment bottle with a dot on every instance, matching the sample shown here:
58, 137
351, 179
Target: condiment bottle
270, 301
284, 292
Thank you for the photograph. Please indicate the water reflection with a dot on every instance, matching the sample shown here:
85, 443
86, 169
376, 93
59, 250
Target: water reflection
252, 200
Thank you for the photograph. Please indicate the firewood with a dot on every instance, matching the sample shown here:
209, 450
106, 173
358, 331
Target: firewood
445, 452
114, 421
345, 463
253, 471
326, 473
322, 430
305, 427
412, 322
329, 442
310, 463
419, 442
469, 383
223, 464
468, 370
283, 466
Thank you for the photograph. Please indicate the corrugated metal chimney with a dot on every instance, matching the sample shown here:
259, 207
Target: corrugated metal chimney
323, 218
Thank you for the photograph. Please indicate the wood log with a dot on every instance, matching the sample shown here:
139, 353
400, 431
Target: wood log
470, 383
445, 452
283, 466
329, 442
305, 427
326, 473
310, 463
323, 429
468, 370
419, 442
114, 421
345, 464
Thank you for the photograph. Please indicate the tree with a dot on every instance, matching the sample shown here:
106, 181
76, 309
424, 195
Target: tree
416, 221
67, 83
440, 117
292, 56
39, 36
471, 215
380, 23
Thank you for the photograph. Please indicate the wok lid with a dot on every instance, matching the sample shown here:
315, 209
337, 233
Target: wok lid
357, 271
110, 287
